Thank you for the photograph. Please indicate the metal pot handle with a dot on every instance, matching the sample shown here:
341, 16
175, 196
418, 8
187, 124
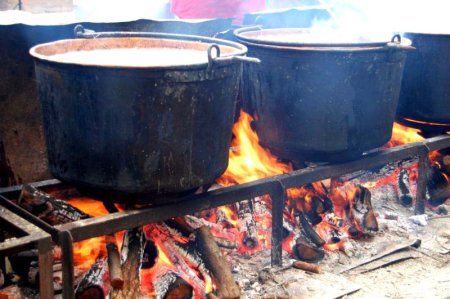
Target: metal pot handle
396, 43
217, 60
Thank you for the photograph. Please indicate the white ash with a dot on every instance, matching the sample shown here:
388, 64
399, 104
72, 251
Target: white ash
419, 219
162, 283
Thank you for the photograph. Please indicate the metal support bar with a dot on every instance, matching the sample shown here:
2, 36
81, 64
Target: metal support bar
278, 203
422, 180
45, 268
66, 241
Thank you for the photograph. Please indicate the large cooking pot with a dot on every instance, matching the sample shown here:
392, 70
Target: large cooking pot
425, 94
140, 113
321, 101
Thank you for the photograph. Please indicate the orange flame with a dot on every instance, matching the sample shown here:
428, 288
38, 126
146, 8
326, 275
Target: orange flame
248, 161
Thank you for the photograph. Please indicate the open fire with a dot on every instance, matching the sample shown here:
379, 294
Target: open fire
180, 258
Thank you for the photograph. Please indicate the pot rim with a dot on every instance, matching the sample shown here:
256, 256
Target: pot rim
335, 47
232, 49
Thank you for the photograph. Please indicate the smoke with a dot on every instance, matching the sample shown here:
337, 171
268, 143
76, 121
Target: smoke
380, 19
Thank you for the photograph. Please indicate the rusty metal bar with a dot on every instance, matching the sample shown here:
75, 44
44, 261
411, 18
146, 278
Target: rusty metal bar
45, 268
66, 242
278, 203
424, 168
28, 236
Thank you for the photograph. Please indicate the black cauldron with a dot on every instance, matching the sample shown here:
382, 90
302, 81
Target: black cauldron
156, 124
321, 101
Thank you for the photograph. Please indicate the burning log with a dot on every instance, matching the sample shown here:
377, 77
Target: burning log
248, 223
309, 230
33, 276
307, 252
132, 252
438, 187
363, 210
115, 270
306, 266
190, 223
171, 286
404, 195
94, 284
214, 261
49, 209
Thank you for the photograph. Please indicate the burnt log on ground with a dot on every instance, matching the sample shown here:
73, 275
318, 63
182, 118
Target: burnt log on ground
216, 263
132, 253
363, 211
95, 283
308, 229
305, 251
306, 266
438, 187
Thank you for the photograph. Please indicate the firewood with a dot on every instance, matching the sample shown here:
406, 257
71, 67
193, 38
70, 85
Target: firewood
184, 227
178, 289
247, 223
306, 266
51, 210
215, 262
132, 252
94, 284
438, 187
307, 252
404, 195
309, 230
363, 211
115, 270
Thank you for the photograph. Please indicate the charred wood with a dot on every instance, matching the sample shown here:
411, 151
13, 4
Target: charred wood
363, 211
115, 270
190, 223
307, 252
438, 187
247, 222
306, 266
16, 292
132, 252
51, 210
95, 283
215, 262
404, 195
170, 286
309, 230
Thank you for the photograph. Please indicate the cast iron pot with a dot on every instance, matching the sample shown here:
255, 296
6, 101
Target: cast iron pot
425, 94
318, 101
154, 127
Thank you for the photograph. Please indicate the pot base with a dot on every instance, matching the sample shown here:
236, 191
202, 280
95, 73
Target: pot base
428, 127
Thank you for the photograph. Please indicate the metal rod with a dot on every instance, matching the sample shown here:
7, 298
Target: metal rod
28, 216
66, 242
278, 203
422, 182
45, 268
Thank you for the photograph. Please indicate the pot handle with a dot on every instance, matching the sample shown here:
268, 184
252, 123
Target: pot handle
396, 43
217, 60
